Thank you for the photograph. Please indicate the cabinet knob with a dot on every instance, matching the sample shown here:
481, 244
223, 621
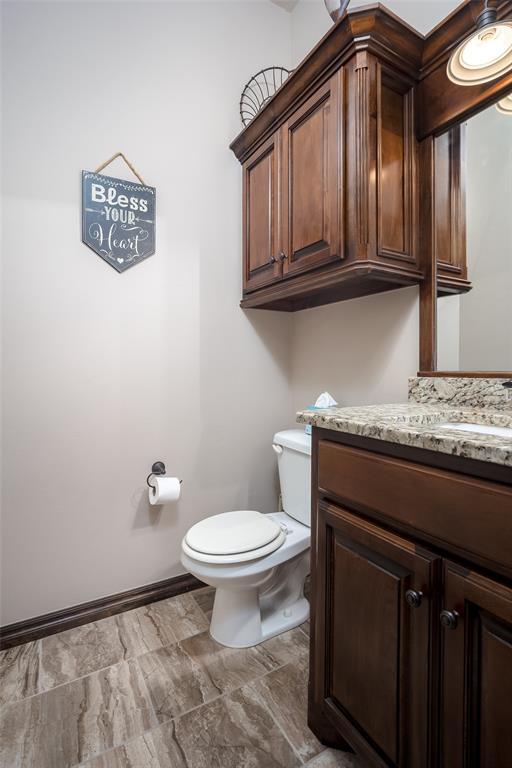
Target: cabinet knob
414, 598
272, 260
282, 255
449, 619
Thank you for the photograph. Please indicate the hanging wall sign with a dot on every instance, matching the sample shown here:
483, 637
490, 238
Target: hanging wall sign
118, 219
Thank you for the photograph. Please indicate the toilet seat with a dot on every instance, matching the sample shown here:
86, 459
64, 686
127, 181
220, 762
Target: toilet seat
233, 537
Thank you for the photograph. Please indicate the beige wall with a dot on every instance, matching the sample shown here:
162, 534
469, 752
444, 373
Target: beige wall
104, 373
448, 333
361, 351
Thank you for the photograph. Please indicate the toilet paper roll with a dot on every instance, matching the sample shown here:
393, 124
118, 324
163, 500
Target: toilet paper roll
166, 489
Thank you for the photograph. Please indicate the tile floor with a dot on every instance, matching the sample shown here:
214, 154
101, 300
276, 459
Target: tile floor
149, 688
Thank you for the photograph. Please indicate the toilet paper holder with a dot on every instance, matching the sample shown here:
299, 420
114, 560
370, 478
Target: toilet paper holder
158, 468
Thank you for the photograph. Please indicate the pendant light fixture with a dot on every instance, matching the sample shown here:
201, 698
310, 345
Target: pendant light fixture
505, 105
486, 54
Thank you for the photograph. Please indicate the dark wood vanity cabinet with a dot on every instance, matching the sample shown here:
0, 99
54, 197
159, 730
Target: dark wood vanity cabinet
377, 615
411, 644
476, 672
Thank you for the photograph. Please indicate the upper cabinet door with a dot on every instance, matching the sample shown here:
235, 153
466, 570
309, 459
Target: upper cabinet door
260, 216
374, 597
476, 707
449, 203
312, 163
395, 169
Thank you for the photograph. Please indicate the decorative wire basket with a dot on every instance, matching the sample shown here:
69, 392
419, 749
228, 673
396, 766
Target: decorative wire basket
259, 90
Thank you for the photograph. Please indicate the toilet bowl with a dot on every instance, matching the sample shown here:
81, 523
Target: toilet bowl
258, 562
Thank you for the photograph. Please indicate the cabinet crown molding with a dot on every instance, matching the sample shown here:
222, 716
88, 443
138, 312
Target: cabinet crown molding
420, 58
372, 28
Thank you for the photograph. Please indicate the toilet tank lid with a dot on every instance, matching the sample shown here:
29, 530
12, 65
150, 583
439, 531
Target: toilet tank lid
296, 439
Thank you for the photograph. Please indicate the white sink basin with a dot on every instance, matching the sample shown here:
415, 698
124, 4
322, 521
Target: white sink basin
483, 429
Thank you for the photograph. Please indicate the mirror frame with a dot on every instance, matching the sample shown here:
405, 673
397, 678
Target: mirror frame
440, 104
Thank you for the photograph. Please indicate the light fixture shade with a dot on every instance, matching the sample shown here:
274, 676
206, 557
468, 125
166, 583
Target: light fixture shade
484, 56
505, 105
336, 8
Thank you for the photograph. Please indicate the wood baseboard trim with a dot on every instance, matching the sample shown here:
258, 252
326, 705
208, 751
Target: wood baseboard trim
50, 623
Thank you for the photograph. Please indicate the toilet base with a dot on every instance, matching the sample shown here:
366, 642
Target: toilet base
246, 616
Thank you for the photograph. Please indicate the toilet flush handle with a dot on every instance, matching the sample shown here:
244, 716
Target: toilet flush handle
277, 448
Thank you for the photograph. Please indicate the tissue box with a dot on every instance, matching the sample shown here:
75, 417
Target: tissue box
308, 429
327, 401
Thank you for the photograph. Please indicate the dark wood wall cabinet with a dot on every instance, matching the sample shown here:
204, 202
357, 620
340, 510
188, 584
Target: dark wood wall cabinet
353, 173
449, 211
330, 192
411, 640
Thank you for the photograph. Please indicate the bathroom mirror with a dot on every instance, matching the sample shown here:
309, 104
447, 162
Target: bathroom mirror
474, 328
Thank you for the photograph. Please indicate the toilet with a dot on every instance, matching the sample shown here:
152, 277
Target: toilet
258, 562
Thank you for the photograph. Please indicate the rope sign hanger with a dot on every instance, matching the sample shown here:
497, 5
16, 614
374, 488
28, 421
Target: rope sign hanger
130, 166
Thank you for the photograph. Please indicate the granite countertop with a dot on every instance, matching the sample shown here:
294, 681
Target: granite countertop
416, 424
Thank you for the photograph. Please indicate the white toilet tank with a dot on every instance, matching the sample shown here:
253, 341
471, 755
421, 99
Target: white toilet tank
293, 448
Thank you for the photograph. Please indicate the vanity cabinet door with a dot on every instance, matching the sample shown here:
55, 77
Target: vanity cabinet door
476, 687
312, 155
375, 598
260, 216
